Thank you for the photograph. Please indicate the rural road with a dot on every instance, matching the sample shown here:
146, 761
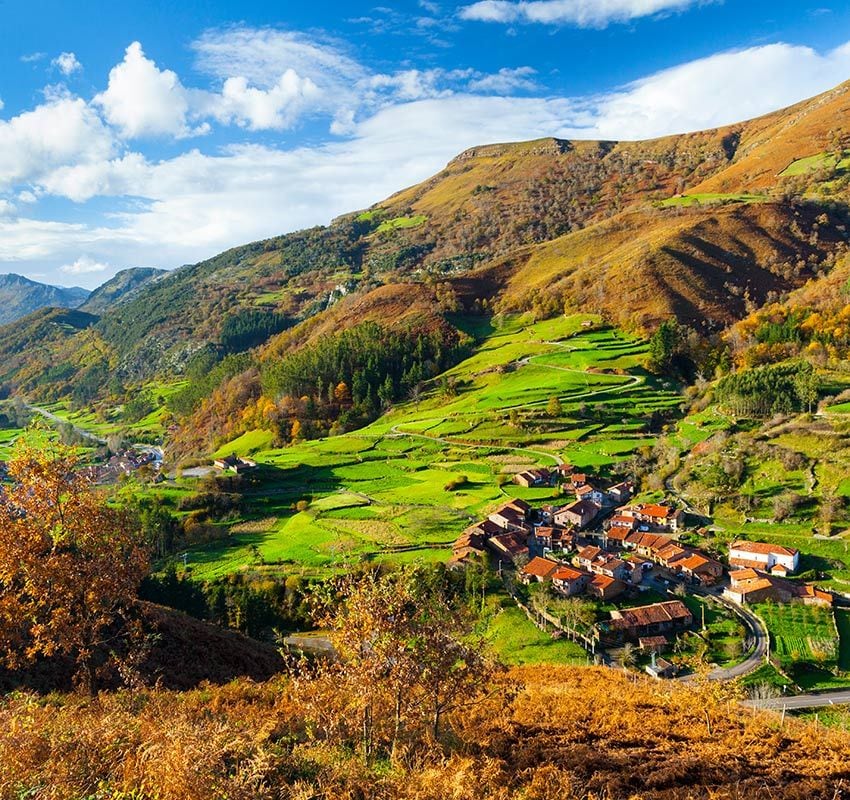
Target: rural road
798, 701
142, 448
53, 418
756, 634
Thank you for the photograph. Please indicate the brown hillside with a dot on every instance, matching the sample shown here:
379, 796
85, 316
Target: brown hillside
183, 653
704, 266
769, 144
566, 733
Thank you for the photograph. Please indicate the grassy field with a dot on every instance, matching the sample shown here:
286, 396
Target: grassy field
685, 200
801, 633
404, 487
516, 640
803, 166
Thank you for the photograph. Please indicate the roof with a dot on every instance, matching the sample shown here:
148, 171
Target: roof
565, 573
747, 574
486, 527
696, 562
656, 510
669, 611
621, 519
753, 585
609, 562
604, 582
589, 552
472, 539
540, 567
808, 590
671, 552
512, 543
762, 548
654, 541
581, 507
653, 641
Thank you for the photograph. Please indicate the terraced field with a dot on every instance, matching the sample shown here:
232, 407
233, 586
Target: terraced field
801, 633
404, 487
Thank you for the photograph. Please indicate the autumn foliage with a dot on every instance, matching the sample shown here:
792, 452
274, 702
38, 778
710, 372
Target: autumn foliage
70, 564
570, 733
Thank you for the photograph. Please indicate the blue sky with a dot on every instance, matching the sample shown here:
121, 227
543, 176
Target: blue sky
159, 135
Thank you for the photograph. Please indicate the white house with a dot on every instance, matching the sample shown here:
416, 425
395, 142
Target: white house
764, 556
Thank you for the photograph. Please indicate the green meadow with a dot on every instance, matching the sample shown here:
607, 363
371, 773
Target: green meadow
404, 487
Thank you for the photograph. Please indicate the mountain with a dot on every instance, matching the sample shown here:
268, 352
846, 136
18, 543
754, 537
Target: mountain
20, 296
122, 286
703, 227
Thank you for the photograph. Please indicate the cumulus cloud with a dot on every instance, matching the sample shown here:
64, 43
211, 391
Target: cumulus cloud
275, 108
395, 129
84, 265
67, 63
64, 131
581, 13
143, 100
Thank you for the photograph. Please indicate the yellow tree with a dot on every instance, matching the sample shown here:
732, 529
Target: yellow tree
407, 657
70, 564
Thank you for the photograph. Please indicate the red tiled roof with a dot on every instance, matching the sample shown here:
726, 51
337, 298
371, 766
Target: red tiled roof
695, 562
565, 573
655, 510
641, 616
540, 567
763, 548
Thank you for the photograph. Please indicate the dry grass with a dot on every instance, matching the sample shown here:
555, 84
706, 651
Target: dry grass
568, 733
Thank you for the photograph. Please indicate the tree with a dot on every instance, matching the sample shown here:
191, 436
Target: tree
553, 408
70, 564
662, 345
407, 658
807, 386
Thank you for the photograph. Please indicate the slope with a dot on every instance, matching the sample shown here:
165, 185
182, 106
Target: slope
121, 287
601, 226
20, 296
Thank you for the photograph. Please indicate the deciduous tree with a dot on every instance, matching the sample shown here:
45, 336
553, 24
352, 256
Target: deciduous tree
70, 564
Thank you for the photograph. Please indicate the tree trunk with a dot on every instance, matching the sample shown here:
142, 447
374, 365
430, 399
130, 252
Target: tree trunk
398, 725
367, 735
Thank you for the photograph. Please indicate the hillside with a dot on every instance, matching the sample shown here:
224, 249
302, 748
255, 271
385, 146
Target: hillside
703, 227
547, 732
20, 296
182, 653
122, 286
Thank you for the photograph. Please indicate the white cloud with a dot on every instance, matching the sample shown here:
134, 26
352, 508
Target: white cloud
699, 94
7, 208
262, 55
63, 131
32, 58
582, 13
193, 205
143, 100
276, 108
506, 81
67, 63
84, 265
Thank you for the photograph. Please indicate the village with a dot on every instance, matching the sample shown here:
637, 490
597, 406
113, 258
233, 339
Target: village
603, 546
